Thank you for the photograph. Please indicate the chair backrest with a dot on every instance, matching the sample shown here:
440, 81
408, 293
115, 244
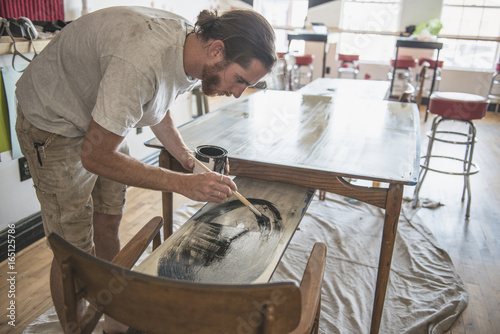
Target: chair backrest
160, 305
408, 93
423, 71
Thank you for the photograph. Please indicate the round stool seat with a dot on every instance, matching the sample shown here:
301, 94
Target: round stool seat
348, 58
304, 60
497, 69
432, 62
405, 62
458, 105
281, 55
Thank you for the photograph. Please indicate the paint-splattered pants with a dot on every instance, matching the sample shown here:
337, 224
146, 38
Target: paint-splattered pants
67, 192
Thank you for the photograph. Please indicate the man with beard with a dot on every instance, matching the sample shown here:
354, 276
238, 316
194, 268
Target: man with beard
105, 74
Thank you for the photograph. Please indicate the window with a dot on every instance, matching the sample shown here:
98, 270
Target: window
283, 14
476, 23
369, 28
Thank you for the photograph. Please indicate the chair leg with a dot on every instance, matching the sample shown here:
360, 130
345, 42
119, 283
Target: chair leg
424, 169
469, 154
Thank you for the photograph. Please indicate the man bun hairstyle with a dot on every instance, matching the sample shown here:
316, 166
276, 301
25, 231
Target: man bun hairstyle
246, 35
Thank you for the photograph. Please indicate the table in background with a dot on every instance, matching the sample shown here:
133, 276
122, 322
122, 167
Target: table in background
317, 141
348, 88
413, 43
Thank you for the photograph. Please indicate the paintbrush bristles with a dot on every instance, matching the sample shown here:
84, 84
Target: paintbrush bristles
254, 210
237, 194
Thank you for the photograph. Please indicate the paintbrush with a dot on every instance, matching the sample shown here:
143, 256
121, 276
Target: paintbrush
237, 194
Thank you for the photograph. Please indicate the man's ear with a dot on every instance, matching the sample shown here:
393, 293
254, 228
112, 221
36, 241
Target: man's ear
216, 50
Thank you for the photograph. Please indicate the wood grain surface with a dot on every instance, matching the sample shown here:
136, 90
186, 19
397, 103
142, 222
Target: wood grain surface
227, 242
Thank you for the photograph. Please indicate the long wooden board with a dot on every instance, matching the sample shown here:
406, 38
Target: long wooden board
228, 243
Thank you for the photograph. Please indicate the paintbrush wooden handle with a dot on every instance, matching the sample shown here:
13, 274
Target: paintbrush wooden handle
241, 198
202, 165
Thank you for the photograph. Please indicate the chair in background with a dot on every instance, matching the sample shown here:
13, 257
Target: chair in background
408, 94
428, 77
159, 305
404, 66
348, 64
420, 88
494, 92
202, 106
301, 62
453, 107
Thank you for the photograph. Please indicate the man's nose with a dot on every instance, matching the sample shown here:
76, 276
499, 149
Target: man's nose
237, 91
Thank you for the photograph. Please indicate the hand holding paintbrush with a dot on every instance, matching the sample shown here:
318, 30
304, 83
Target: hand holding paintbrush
237, 194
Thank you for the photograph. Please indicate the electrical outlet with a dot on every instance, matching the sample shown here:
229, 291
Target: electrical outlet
24, 169
138, 131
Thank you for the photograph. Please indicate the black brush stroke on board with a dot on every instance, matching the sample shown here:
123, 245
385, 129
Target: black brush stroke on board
195, 257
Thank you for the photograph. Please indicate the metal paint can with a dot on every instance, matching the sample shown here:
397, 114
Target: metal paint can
214, 157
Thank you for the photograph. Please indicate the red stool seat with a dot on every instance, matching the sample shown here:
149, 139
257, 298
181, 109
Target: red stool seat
348, 58
497, 69
458, 105
348, 64
304, 60
432, 62
281, 55
405, 62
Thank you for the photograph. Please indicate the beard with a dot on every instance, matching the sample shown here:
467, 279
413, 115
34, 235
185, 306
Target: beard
210, 79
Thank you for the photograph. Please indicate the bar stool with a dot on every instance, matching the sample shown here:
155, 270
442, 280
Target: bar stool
303, 61
282, 70
348, 64
404, 67
494, 92
458, 107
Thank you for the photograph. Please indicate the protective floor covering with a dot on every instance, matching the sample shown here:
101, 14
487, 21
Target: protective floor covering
424, 295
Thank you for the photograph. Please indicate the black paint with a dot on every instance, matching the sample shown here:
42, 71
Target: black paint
208, 244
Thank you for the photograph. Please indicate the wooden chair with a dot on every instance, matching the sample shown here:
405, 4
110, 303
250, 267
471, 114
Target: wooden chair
421, 81
159, 305
408, 94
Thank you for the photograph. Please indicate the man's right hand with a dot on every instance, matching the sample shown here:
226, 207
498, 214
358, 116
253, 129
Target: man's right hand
207, 187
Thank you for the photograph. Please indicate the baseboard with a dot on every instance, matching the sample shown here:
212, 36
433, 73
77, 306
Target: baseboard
27, 231
30, 229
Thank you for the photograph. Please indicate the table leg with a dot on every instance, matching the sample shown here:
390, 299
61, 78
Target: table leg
392, 211
167, 198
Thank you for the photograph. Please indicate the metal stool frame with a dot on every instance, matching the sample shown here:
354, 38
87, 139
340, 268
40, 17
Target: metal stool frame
495, 81
469, 168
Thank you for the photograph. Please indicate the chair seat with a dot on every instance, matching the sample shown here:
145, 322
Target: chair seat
348, 58
432, 62
458, 105
405, 62
304, 60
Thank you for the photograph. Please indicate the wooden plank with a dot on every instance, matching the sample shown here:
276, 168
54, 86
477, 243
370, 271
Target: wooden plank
228, 243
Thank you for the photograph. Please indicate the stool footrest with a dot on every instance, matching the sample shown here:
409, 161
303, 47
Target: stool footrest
474, 169
441, 139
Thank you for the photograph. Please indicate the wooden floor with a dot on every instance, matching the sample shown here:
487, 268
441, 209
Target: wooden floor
473, 245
